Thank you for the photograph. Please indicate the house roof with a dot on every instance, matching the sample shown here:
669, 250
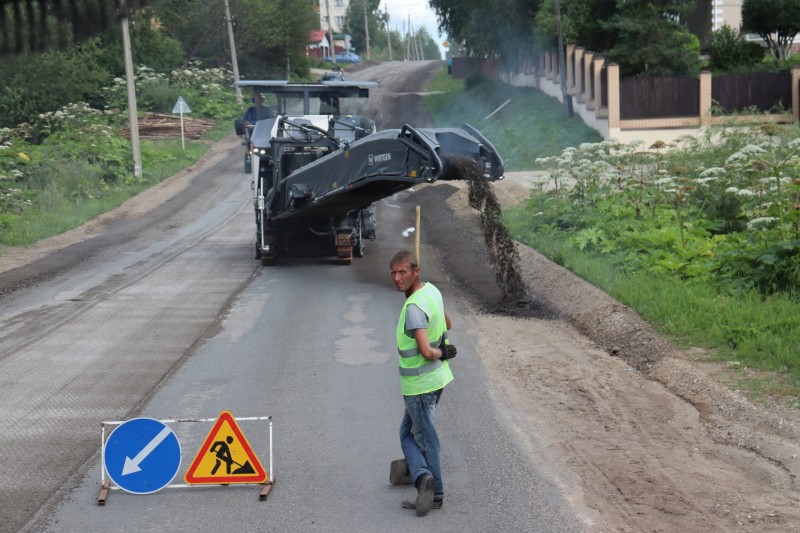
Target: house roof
316, 36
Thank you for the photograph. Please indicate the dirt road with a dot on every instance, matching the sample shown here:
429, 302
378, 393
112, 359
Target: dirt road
631, 428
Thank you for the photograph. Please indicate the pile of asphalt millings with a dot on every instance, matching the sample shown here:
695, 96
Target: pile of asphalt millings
503, 255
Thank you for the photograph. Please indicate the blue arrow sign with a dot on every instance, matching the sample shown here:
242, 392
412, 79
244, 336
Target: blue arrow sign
142, 455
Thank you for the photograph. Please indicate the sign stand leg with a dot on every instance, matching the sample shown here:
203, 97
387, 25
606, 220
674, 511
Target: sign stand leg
266, 488
101, 499
271, 479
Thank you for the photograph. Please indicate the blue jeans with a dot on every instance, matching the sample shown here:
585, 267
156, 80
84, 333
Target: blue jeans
419, 440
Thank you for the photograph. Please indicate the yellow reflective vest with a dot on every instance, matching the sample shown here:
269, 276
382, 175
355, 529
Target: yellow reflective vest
417, 374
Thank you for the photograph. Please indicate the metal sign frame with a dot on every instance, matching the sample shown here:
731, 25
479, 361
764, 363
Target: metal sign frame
105, 480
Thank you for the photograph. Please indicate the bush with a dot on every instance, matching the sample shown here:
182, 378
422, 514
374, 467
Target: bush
724, 217
474, 80
157, 97
770, 63
35, 84
149, 46
729, 51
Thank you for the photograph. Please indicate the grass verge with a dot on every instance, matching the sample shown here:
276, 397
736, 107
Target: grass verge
744, 331
67, 194
530, 125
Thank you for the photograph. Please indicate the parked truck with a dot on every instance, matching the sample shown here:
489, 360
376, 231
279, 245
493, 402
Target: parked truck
319, 166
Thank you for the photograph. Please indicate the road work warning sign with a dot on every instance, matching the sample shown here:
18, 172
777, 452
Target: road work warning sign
225, 457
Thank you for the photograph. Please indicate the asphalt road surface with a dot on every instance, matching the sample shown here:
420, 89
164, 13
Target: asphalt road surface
169, 316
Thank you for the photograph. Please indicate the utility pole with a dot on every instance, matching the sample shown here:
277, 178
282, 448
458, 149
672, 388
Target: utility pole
133, 120
366, 28
388, 32
562, 64
405, 38
410, 50
234, 60
330, 31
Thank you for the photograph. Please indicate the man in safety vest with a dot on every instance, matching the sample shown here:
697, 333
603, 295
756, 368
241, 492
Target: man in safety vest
424, 371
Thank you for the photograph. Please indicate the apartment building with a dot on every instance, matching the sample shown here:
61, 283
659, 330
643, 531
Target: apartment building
332, 13
711, 15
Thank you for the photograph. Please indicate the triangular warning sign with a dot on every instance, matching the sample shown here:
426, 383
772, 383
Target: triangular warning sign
225, 457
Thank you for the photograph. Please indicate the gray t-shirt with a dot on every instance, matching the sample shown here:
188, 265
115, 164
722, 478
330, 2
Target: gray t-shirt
415, 319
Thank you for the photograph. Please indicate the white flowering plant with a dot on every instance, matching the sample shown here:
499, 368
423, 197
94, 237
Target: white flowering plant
78, 154
724, 208
209, 91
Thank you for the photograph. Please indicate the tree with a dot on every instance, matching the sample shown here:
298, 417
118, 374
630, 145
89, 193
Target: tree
775, 21
38, 83
198, 25
422, 44
488, 29
41, 25
151, 46
581, 21
272, 36
728, 51
354, 24
582, 17
652, 38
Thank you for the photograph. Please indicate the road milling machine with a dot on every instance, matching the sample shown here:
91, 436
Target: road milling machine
318, 166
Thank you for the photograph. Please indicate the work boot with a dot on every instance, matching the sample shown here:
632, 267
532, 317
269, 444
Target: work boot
408, 504
425, 495
398, 473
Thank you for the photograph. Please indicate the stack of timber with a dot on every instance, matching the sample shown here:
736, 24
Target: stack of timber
162, 126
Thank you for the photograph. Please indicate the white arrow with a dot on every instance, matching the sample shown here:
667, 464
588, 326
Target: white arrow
131, 466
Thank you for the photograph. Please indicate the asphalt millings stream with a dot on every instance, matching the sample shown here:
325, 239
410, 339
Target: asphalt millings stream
503, 256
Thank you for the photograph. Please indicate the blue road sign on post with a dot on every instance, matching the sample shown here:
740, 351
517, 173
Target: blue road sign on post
142, 455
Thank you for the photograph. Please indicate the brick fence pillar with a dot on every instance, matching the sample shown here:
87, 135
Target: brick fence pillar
597, 64
576, 83
588, 57
570, 59
546, 59
705, 97
554, 65
613, 96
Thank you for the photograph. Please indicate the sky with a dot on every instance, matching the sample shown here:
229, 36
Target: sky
421, 15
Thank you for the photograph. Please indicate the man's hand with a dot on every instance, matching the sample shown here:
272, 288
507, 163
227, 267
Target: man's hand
448, 351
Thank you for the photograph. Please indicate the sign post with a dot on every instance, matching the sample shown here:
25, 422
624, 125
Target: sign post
181, 107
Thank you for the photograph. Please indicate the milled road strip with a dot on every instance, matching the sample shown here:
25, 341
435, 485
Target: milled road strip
105, 359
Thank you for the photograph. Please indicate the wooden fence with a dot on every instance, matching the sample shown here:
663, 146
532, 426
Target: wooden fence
614, 106
762, 91
464, 67
663, 97
604, 87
